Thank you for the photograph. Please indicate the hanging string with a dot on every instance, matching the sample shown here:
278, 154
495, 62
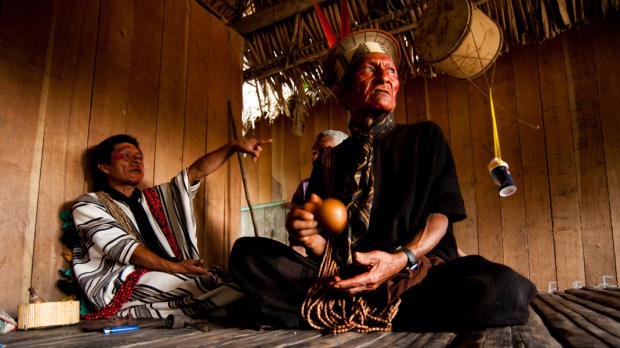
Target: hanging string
490, 84
498, 153
504, 109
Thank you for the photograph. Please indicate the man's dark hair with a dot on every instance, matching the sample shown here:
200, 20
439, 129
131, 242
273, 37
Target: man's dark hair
101, 155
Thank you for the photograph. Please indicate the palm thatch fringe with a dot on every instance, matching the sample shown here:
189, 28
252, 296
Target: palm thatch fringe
283, 60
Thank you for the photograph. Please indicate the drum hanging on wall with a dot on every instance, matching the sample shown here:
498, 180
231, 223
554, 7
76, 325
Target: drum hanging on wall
455, 37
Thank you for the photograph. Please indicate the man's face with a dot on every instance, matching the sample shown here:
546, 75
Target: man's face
324, 141
374, 86
126, 166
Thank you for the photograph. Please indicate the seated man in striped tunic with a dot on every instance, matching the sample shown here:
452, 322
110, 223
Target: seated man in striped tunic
138, 250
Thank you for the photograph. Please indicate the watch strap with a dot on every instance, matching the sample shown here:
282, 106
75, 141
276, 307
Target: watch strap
412, 261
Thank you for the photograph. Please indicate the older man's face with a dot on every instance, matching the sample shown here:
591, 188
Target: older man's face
374, 86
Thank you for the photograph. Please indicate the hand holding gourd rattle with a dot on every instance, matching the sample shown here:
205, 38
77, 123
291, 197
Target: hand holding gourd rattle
331, 215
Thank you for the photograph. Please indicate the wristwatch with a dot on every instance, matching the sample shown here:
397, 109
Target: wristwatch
412, 262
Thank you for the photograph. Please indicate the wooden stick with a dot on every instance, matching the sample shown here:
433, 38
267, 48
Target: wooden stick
245, 184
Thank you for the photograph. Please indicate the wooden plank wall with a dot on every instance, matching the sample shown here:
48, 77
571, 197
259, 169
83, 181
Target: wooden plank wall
75, 72
558, 121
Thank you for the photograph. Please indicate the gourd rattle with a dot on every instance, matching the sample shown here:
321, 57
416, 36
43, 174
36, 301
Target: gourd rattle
331, 214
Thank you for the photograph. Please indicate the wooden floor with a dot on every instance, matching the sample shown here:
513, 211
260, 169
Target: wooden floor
587, 317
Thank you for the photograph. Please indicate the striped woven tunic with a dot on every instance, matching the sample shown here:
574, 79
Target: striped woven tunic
101, 262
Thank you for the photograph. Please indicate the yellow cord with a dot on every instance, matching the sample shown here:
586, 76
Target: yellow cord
498, 153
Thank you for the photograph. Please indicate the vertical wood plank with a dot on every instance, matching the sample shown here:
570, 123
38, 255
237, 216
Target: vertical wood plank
590, 158
561, 164
461, 143
291, 163
197, 101
514, 227
24, 72
112, 70
487, 199
438, 105
217, 135
606, 48
144, 79
53, 186
172, 91
77, 176
400, 113
415, 100
305, 150
277, 160
251, 169
264, 165
235, 185
535, 187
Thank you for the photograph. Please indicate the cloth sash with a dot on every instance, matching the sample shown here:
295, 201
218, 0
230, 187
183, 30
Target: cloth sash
359, 189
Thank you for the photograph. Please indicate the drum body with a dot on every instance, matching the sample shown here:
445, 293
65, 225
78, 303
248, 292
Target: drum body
457, 38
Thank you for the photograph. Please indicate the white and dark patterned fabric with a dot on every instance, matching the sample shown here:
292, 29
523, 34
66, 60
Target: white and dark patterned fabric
101, 262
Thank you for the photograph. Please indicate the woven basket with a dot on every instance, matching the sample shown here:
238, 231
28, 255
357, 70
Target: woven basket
46, 314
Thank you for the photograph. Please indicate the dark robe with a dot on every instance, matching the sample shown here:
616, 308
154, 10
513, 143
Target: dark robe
414, 176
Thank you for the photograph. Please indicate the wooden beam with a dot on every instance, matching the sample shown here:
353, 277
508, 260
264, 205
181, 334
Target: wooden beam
215, 12
274, 14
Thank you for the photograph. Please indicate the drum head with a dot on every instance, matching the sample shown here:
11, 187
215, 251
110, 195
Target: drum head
441, 29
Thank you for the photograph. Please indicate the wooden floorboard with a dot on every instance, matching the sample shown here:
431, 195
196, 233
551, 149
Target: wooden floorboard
574, 325
587, 317
533, 334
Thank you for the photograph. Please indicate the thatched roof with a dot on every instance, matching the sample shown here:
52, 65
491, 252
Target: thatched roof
285, 44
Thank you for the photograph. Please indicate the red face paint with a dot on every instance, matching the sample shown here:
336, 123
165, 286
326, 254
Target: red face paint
126, 166
126, 152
